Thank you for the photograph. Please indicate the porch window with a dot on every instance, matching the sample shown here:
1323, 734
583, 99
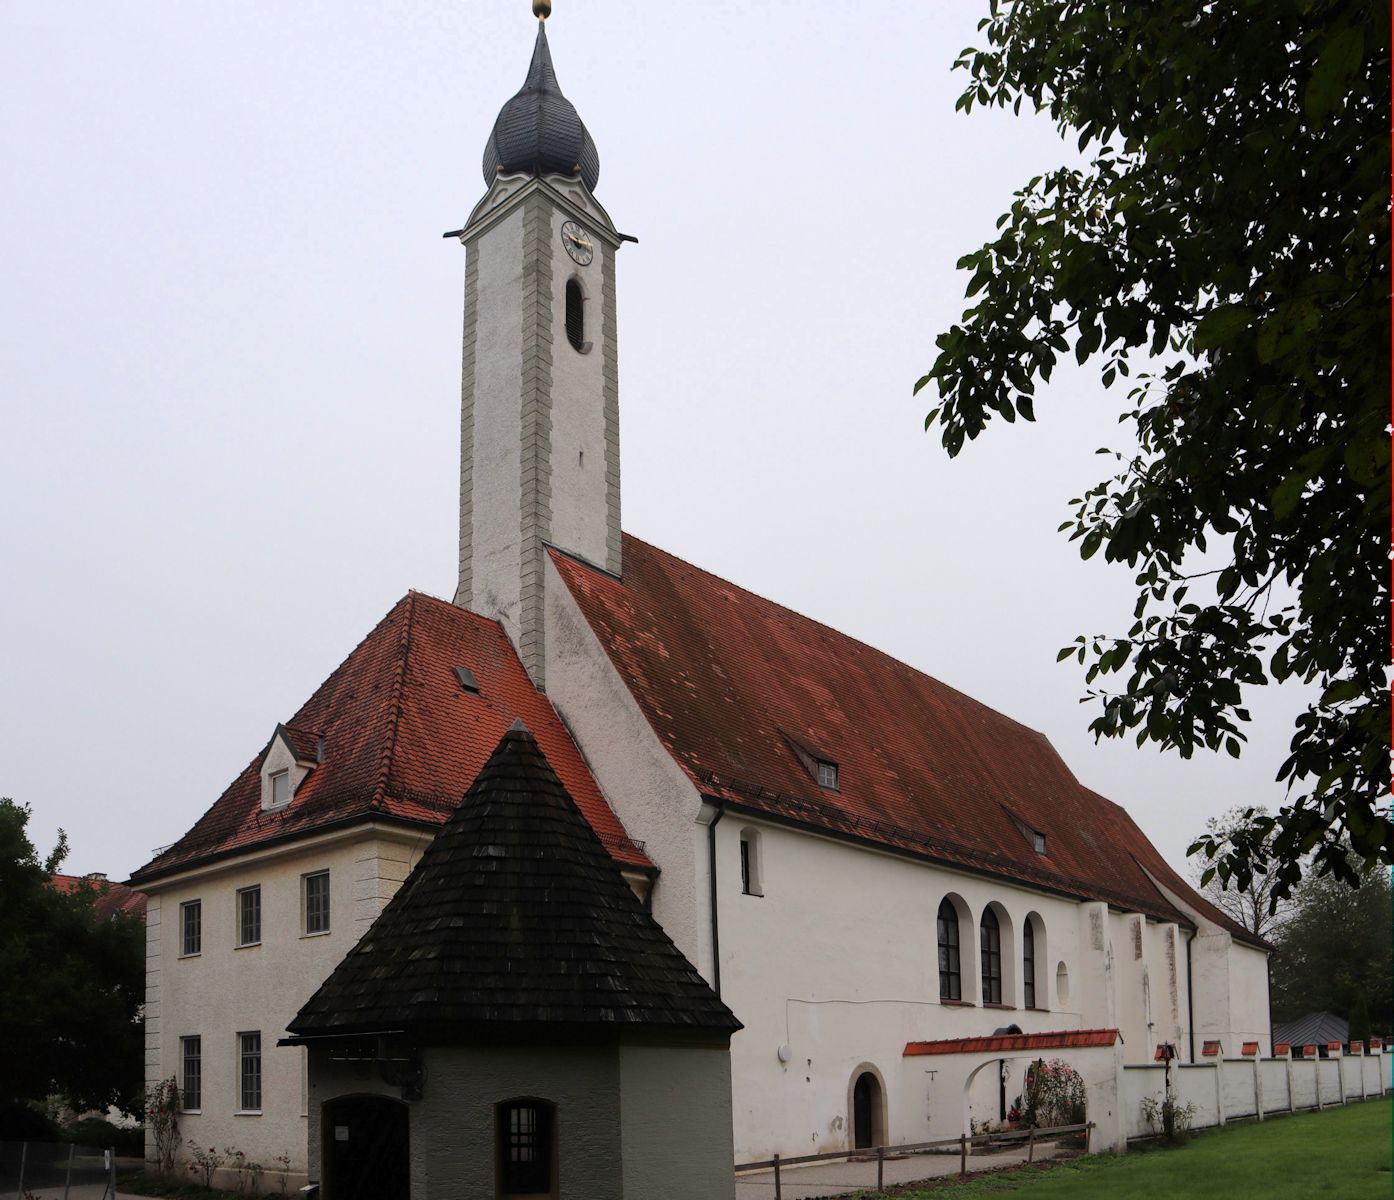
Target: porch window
526, 1148
950, 979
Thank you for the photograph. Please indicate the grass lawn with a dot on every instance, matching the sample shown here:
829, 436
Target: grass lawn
1342, 1153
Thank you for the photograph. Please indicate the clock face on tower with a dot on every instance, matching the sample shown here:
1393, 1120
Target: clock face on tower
578, 243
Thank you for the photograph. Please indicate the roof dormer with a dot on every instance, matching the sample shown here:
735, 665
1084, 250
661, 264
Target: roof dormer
290, 756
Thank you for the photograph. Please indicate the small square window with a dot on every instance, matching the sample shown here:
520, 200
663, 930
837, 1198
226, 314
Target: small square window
249, 916
1038, 841
827, 774
280, 788
191, 927
317, 902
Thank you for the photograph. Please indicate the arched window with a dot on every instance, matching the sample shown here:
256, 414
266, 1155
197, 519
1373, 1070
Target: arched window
575, 315
990, 937
1028, 962
950, 979
526, 1147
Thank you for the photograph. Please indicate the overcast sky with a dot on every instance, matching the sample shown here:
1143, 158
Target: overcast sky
230, 348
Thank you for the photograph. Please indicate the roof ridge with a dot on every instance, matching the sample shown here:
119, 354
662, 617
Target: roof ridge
823, 625
394, 713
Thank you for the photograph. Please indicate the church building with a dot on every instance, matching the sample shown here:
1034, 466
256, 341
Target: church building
856, 857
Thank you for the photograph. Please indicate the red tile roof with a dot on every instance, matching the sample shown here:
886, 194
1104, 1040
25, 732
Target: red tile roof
732, 683
1011, 1043
112, 898
402, 740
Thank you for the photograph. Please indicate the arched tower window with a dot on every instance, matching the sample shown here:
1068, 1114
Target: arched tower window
950, 978
575, 315
990, 937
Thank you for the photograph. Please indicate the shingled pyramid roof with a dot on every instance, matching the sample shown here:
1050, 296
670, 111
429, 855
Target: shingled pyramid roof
515, 914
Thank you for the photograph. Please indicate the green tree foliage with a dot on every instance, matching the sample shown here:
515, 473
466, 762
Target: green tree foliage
1334, 953
71, 983
1253, 905
1229, 233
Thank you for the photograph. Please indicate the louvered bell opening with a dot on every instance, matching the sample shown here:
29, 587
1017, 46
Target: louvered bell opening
575, 316
467, 679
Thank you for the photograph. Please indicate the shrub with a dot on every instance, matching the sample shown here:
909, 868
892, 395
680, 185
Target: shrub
1054, 1095
1169, 1117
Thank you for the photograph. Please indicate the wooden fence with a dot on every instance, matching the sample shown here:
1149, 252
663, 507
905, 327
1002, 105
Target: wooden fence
879, 1153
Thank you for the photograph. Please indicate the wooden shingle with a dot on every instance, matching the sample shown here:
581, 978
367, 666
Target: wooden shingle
515, 914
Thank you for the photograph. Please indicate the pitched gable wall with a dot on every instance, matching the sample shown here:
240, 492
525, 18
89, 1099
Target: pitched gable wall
653, 798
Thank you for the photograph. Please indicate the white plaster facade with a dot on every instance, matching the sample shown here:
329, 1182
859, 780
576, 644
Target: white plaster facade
225, 989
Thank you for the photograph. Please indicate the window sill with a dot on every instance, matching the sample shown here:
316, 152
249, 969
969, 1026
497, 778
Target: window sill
957, 1003
191, 1112
1033, 1008
1003, 1007
757, 895
317, 933
247, 1112
192, 954
246, 945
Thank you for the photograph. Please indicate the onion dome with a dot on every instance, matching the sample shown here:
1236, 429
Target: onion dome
539, 131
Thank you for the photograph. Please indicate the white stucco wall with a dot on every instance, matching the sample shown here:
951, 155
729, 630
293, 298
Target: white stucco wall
496, 508
675, 1122
653, 798
579, 507
838, 960
226, 990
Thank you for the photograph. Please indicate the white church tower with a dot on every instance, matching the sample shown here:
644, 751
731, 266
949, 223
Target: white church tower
539, 422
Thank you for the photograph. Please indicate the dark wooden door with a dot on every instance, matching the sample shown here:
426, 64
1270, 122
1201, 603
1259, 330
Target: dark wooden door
863, 1099
365, 1149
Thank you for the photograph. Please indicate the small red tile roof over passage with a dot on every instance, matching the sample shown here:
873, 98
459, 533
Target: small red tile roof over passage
732, 683
402, 740
111, 898
1014, 1043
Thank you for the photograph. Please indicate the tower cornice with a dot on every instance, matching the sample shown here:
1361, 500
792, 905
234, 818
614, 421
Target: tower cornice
568, 193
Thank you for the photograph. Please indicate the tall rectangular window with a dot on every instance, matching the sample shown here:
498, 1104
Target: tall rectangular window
1028, 962
191, 927
191, 1073
248, 916
317, 902
249, 1071
950, 978
280, 789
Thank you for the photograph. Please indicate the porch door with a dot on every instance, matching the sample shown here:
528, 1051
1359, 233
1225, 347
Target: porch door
365, 1144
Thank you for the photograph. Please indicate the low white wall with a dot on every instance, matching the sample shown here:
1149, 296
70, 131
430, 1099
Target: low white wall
1277, 1086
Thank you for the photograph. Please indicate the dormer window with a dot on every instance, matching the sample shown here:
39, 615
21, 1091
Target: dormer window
827, 774
1038, 841
290, 756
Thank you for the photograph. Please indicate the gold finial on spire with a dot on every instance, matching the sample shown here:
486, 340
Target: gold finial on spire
541, 9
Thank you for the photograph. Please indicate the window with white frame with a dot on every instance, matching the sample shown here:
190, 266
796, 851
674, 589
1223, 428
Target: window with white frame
827, 774
249, 916
316, 902
191, 927
280, 789
249, 1071
191, 1073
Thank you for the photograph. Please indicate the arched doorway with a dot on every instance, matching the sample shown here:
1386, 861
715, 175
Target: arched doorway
868, 1105
365, 1149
